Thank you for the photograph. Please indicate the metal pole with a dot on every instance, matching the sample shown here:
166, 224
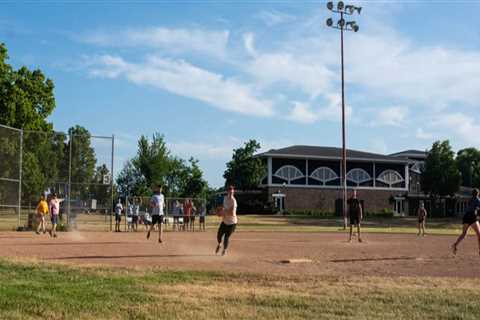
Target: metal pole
20, 173
111, 180
344, 150
69, 176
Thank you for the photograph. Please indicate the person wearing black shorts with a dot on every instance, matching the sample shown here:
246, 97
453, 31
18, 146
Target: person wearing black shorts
470, 219
422, 216
356, 214
229, 221
157, 204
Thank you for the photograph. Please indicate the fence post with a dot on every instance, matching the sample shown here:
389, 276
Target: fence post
69, 198
20, 173
111, 181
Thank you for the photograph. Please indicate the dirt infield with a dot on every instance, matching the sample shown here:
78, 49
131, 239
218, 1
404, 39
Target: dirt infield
379, 255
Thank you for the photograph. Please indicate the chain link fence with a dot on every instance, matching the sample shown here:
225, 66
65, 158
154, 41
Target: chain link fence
179, 214
76, 166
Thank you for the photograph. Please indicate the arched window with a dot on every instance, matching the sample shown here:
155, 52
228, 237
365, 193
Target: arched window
418, 167
358, 176
390, 177
289, 173
324, 175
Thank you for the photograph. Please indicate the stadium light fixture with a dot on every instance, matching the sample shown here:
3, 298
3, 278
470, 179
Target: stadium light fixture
343, 25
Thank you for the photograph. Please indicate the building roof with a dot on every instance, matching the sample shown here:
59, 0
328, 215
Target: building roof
316, 152
419, 154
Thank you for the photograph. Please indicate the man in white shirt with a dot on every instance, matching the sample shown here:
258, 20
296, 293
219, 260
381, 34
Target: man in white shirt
157, 204
118, 214
229, 220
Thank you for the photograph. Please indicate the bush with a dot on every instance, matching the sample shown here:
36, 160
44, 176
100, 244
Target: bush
384, 213
310, 213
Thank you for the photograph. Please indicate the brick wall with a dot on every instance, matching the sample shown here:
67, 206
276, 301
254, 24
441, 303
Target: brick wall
324, 199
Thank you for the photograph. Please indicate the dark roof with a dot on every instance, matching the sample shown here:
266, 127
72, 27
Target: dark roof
315, 152
411, 154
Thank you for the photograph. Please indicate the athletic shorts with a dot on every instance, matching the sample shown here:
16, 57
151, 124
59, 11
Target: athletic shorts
157, 219
135, 219
118, 217
354, 220
54, 218
202, 219
192, 218
420, 220
469, 218
186, 219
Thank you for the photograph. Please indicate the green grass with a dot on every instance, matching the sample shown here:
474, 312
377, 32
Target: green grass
48, 291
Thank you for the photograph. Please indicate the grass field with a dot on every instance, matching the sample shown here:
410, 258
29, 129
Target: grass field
450, 226
33, 291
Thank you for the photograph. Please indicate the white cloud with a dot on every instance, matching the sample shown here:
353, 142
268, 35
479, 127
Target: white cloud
391, 116
463, 126
421, 134
281, 67
305, 113
208, 42
273, 17
302, 113
182, 78
248, 41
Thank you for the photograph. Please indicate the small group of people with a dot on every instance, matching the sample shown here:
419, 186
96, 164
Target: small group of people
355, 213
188, 212
46, 206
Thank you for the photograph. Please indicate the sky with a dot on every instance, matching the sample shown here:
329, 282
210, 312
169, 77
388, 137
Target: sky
210, 75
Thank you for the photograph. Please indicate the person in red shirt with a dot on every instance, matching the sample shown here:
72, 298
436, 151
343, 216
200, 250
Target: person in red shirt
187, 211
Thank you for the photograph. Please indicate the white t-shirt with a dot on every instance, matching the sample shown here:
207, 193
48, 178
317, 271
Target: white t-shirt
158, 202
228, 205
118, 209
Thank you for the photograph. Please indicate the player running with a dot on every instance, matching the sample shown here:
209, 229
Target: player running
356, 215
42, 211
229, 220
422, 217
470, 219
157, 204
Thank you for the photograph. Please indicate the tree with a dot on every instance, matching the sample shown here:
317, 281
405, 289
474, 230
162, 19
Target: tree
441, 176
26, 100
468, 163
154, 164
26, 97
244, 171
195, 185
82, 161
99, 190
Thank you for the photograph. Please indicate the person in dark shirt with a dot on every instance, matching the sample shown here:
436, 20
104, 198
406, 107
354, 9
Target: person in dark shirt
356, 215
470, 219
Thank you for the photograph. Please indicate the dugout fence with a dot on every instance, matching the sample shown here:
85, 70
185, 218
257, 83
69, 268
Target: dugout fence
76, 165
175, 212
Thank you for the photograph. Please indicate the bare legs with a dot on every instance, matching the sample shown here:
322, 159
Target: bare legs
476, 227
421, 228
358, 233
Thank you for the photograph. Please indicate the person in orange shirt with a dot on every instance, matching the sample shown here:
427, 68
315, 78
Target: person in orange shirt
42, 211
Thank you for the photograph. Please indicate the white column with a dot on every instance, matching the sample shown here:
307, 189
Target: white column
306, 172
269, 164
407, 177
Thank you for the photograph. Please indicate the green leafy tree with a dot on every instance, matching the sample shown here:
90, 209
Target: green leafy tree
83, 162
195, 185
468, 163
441, 176
244, 171
26, 97
99, 190
130, 181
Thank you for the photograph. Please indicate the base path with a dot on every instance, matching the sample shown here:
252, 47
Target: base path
330, 253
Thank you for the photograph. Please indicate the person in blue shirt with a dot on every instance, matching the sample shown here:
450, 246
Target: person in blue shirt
470, 219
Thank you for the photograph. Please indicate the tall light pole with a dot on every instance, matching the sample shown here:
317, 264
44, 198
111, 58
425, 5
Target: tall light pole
343, 25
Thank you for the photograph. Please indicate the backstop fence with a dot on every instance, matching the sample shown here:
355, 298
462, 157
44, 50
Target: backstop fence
76, 166
181, 214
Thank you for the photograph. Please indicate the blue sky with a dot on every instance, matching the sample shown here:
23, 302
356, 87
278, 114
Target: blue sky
210, 75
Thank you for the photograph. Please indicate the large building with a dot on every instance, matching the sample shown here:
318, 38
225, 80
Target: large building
309, 178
